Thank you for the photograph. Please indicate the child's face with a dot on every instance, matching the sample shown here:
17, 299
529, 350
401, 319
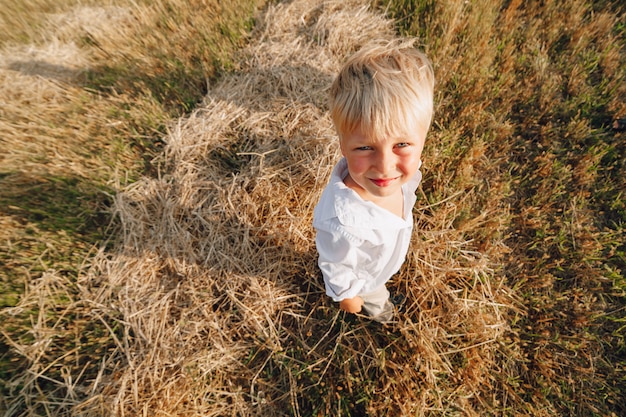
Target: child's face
378, 168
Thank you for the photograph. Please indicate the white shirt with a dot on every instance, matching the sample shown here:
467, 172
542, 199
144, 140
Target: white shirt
360, 244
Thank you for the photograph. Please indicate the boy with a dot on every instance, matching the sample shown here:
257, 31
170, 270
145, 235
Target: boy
381, 104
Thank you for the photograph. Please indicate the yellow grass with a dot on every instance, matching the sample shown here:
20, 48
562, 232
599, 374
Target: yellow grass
207, 300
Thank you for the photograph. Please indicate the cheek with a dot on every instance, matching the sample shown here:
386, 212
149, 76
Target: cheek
358, 165
411, 163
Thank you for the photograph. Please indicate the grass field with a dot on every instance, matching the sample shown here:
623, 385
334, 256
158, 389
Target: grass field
159, 165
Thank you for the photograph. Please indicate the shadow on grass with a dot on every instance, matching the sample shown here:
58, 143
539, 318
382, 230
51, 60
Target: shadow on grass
51, 223
71, 204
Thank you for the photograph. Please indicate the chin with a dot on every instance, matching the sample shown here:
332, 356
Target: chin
384, 192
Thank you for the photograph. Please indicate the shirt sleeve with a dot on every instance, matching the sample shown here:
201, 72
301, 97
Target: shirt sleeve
339, 259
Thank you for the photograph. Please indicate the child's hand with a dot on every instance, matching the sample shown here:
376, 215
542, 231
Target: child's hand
351, 305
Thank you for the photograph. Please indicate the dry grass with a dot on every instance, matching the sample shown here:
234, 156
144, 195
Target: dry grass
209, 301
80, 120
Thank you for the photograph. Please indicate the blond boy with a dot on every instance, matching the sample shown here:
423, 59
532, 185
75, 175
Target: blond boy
381, 104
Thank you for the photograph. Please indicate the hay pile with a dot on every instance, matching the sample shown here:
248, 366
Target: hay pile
212, 294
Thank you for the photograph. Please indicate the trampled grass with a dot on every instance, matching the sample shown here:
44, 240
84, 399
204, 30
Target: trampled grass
206, 299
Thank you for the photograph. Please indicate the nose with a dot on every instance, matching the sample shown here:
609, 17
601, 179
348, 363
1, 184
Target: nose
385, 162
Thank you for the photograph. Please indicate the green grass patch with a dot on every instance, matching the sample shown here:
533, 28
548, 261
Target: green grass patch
564, 164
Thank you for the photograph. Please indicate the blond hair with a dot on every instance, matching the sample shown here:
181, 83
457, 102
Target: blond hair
386, 88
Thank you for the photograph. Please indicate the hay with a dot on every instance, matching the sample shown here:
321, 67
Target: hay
212, 294
49, 119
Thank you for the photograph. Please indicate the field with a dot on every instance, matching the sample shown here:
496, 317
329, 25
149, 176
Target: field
159, 164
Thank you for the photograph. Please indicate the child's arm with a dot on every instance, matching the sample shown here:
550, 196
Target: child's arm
338, 260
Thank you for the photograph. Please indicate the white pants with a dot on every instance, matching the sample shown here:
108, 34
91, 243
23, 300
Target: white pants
377, 305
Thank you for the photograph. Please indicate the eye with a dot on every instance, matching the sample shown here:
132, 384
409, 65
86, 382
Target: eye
364, 148
402, 144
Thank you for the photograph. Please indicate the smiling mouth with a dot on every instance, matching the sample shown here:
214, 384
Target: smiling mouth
384, 182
